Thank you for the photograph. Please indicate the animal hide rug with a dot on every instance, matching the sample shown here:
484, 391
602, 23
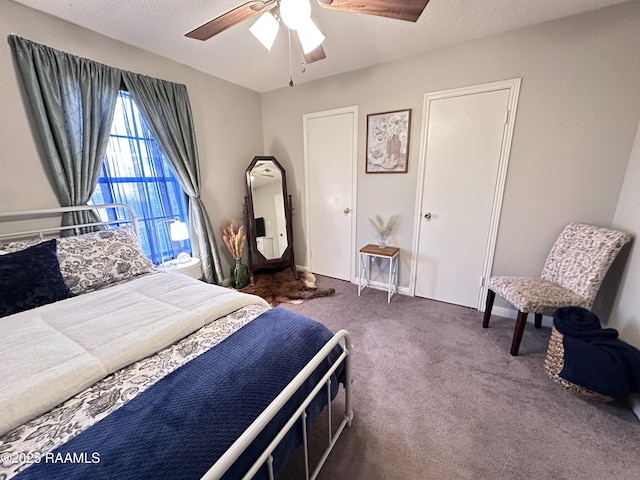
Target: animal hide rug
282, 287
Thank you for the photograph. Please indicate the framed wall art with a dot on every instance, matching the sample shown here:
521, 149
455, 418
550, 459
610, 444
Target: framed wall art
388, 141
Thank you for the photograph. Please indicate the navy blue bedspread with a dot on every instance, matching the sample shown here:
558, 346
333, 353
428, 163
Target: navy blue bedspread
182, 424
594, 357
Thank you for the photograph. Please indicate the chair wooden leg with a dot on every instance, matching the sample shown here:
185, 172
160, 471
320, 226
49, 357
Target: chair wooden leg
538, 320
491, 296
521, 321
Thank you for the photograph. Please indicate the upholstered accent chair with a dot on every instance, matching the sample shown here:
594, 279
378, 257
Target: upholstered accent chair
572, 274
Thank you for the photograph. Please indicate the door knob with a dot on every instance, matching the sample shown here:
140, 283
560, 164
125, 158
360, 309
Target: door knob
427, 216
347, 211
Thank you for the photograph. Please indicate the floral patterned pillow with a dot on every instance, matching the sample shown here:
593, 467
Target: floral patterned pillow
97, 259
11, 247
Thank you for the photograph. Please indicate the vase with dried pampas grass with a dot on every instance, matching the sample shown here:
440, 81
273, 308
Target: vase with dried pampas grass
234, 238
383, 227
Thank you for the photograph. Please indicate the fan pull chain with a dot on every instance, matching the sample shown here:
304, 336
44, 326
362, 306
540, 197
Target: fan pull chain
290, 69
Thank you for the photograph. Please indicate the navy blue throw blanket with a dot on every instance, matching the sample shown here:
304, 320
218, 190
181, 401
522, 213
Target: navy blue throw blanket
594, 357
181, 425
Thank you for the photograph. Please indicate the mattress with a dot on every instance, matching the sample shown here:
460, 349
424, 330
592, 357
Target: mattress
73, 343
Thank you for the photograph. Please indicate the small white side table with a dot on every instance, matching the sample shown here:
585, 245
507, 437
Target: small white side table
367, 254
190, 268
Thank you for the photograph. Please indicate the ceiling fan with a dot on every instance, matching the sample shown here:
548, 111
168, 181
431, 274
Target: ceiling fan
262, 169
296, 15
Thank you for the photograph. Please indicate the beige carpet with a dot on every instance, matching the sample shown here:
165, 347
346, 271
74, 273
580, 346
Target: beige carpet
436, 396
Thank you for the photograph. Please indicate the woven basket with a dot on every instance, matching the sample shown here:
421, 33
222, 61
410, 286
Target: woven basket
553, 364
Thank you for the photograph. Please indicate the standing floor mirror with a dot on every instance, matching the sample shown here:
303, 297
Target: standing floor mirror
268, 217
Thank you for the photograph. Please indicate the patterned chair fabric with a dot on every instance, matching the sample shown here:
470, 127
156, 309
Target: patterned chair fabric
535, 294
572, 275
581, 256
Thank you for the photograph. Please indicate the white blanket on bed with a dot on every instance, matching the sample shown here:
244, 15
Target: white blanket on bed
51, 353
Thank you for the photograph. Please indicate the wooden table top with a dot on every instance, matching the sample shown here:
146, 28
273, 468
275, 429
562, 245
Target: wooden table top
372, 249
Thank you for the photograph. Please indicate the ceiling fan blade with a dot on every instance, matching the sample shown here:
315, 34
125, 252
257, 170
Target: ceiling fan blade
315, 55
229, 19
408, 10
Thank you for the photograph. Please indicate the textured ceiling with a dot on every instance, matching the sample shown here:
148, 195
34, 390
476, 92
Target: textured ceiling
352, 40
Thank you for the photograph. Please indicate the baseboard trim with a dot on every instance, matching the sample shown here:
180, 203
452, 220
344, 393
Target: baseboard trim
504, 312
497, 311
383, 286
507, 312
634, 402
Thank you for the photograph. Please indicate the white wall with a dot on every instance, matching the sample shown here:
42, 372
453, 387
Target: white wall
625, 316
577, 117
626, 313
226, 117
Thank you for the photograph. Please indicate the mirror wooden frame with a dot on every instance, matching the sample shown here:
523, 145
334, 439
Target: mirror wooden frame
257, 261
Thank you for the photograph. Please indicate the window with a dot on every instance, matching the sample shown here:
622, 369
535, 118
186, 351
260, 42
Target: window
136, 173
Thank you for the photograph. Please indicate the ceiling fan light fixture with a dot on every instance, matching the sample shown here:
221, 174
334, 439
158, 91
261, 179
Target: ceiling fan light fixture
265, 30
295, 12
310, 36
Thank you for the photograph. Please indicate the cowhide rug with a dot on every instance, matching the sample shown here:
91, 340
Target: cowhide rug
282, 287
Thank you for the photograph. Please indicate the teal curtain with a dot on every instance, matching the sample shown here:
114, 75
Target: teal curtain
168, 111
72, 100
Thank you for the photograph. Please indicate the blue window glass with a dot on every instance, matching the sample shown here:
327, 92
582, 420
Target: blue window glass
135, 172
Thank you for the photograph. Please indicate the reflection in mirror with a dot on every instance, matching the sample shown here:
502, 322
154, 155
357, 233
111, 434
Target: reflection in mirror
268, 209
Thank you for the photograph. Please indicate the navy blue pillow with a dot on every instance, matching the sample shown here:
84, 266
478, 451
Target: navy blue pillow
30, 278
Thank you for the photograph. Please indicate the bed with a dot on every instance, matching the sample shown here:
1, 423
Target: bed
113, 368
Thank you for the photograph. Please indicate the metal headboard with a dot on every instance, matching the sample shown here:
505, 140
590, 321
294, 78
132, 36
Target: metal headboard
52, 212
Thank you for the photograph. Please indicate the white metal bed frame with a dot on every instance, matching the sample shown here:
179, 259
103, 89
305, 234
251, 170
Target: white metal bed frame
52, 212
234, 452
342, 338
